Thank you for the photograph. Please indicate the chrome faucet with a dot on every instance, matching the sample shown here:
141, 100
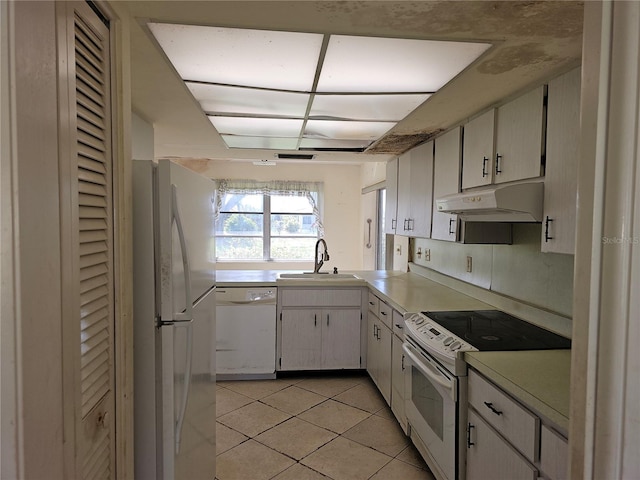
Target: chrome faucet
318, 262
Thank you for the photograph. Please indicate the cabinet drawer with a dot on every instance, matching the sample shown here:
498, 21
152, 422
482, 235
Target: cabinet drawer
385, 314
320, 297
373, 304
398, 324
515, 423
553, 454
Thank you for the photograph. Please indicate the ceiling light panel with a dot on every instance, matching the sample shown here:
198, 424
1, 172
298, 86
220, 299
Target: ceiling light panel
268, 143
233, 56
366, 107
332, 144
346, 130
365, 64
248, 101
260, 127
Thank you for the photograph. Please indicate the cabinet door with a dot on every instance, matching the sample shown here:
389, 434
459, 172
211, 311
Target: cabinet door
397, 382
478, 150
404, 194
301, 339
384, 358
340, 338
519, 137
421, 189
372, 347
391, 199
489, 456
563, 149
554, 454
446, 180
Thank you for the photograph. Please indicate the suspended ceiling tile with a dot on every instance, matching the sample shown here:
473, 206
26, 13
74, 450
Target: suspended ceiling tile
366, 107
368, 64
248, 101
233, 56
346, 130
271, 143
331, 144
263, 127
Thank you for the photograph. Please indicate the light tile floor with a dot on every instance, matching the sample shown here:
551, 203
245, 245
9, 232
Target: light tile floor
308, 428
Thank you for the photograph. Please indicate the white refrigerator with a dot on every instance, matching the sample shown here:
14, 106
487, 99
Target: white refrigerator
174, 322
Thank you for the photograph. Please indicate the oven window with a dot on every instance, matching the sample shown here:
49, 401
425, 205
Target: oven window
427, 400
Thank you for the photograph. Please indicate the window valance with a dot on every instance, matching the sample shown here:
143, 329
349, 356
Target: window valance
291, 188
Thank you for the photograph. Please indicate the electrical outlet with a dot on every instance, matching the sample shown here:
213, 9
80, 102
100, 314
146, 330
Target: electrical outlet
469, 264
419, 252
427, 254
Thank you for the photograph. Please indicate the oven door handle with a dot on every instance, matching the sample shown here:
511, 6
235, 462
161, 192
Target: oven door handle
430, 371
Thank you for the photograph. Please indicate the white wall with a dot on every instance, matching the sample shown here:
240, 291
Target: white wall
141, 138
519, 271
341, 206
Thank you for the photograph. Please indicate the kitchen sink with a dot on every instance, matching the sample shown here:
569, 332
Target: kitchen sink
318, 276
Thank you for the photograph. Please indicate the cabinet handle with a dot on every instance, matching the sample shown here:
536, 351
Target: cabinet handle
399, 325
469, 442
315, 320
492, 408
393, 223
484, 167
383, 313
451, 232
402, 362
546, 229
405, 225
498, 158
327, 319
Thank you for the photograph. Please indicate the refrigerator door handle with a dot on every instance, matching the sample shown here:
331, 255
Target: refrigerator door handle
187, 315
187, 380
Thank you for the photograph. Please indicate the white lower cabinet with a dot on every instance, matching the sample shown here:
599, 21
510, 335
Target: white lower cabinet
505, 440
319, 329
379, 345
554, 454
491, 457
379, 355
397, 382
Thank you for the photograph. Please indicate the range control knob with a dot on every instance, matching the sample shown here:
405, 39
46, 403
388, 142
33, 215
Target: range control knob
456, 345
447, 341
419, 321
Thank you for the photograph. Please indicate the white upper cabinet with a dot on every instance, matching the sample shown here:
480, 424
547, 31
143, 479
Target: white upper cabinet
415, 180
446, 181
479, 150
520, 137
391, 202
563, 149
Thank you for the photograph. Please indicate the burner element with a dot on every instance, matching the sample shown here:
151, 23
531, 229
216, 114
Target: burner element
491, 338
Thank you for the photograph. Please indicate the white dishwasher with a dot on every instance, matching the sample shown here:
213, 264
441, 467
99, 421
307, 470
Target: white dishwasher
245, 332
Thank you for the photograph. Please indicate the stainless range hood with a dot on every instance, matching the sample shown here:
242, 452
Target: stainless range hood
520, 202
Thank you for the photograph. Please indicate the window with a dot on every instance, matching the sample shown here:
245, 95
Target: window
266, 221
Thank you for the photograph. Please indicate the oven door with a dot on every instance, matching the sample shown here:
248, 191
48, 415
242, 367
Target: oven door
431, 408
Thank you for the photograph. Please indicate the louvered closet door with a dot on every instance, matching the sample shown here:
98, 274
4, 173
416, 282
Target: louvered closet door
89, 324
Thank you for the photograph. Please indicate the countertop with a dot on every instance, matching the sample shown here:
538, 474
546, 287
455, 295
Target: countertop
539, 378
406, 292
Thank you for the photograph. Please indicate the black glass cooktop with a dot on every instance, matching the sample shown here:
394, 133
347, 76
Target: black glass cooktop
493, 330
